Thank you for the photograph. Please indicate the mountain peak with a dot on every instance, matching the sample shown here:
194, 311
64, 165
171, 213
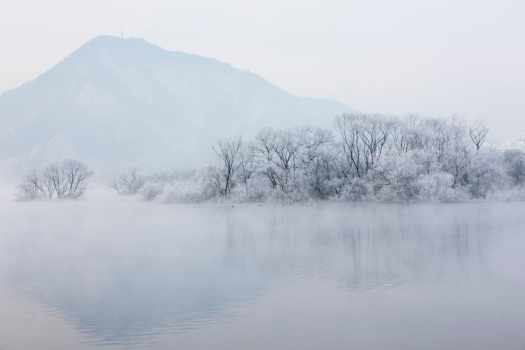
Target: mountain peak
112, 41
125, 100
104, 38
106, 43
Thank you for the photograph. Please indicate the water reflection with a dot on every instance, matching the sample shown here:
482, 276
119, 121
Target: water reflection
141, 275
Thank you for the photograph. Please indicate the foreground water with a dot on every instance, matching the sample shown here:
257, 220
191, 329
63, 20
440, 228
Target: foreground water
117, 274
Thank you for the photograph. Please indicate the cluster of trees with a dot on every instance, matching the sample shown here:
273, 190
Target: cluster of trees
175, 186
66, 179
366, 157
363, 157
129, 183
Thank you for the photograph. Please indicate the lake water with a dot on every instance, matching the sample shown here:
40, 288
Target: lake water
121, 274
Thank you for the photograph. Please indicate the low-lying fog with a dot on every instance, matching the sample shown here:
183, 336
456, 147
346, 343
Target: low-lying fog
112, 272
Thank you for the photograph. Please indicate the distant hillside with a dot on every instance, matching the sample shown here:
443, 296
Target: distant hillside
119, 102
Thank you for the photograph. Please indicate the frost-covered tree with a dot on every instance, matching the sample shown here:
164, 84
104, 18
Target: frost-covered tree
66, 179
478, 134
229, 154
317, 162
247, 165
486, 173
32, 187
364, 157
129, 182
276, 153
363, 138
514, 161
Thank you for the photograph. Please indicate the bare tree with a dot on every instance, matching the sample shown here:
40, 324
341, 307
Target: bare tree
478, 134
263, 152
228, 153
350, 136
247, 165
75, 178
363, 138
285, 151
66, 179
54, 181
374, 136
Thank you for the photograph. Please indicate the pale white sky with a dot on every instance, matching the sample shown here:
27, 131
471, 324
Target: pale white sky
431, 56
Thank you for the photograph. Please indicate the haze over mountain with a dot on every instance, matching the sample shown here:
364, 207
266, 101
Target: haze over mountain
123, 102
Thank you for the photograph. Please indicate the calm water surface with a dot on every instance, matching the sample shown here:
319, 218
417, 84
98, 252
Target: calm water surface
121, 274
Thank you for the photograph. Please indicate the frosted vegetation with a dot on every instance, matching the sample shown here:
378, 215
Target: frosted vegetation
363, 157
66, 179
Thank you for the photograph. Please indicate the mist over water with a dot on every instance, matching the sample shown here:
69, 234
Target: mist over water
304, 175
116, 273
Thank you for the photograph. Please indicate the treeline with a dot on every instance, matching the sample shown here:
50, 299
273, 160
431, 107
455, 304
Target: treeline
364, 157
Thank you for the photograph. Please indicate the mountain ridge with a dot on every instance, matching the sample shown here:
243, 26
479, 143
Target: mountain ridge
119, 102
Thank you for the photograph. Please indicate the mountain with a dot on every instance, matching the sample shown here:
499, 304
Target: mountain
120, 102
